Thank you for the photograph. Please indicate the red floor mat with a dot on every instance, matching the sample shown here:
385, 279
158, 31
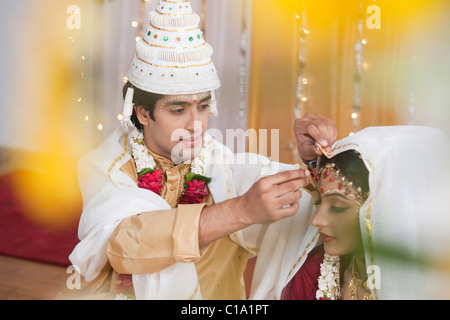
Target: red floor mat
22, 238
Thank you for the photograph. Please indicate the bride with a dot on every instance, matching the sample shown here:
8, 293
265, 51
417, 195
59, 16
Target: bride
342, 187
379, 227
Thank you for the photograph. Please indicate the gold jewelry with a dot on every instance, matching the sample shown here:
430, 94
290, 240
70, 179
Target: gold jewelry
176, 67
322, 149
332, 173
352, 290
356, 283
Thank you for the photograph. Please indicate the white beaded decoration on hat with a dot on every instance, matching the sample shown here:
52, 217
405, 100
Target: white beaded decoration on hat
128, 109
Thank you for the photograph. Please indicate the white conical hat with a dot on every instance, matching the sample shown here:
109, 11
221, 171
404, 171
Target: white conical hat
173, 57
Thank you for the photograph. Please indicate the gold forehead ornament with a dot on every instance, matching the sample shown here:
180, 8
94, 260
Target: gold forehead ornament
332, 173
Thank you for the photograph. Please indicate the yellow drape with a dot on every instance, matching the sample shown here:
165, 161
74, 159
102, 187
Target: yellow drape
393, 62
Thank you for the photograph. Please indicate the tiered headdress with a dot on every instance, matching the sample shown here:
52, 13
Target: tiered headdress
172, 58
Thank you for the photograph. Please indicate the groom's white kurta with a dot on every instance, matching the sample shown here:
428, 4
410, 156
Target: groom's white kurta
110, 196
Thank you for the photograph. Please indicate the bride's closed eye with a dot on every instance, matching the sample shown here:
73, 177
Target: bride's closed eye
337, 209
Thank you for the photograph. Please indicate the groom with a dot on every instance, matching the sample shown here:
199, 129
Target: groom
155, 226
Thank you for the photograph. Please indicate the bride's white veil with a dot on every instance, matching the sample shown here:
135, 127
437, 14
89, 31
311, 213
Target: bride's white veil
405, 222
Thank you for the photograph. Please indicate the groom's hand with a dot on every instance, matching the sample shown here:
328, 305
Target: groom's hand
272, 198
313, 128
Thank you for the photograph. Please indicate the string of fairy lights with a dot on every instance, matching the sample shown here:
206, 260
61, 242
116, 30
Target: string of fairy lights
139, 25
303, 83
303, 87
302, 93
360, 64
243, 79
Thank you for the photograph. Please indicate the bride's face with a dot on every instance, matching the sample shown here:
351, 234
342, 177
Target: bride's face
337, 218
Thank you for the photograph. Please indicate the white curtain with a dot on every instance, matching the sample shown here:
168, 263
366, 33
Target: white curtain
10, 108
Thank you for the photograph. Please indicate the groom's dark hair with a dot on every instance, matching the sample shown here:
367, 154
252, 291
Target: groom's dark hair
144, 99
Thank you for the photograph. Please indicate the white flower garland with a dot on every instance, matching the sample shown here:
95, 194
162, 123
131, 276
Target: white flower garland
122, 297
141, 155
329, 286
200, 163
144, 159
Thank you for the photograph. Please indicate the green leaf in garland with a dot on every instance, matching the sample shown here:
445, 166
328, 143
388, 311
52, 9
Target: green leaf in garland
144, 172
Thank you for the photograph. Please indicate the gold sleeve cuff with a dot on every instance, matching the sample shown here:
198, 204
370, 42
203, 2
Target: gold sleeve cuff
185, 233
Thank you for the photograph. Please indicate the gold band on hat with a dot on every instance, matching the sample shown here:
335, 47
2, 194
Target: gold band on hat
174, 14
177, 67
181, 1
174, 30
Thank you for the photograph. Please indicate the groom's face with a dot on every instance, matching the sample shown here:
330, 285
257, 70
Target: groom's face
178, 126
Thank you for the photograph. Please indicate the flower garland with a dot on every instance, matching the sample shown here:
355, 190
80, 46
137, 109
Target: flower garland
125, 289
329, 286
151, 179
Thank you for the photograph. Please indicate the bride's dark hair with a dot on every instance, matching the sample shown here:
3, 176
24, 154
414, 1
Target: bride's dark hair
351, 166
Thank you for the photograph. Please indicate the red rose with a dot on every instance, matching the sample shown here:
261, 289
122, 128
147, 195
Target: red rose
195, 185
126, 283
157, 175
151, 181
192, 197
